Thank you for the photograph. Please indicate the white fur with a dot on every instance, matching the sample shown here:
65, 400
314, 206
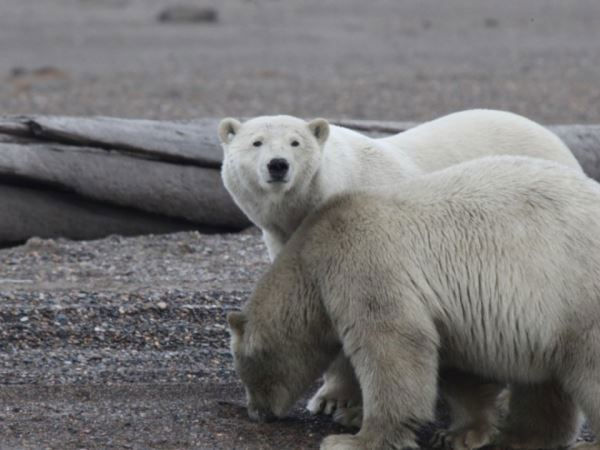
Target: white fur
490, 268
337, 160
347, 160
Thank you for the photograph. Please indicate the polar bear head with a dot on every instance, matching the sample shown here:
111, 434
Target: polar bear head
277, 354
267, 391
271, 153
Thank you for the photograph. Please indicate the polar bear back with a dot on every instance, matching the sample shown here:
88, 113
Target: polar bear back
477, 133
353, 161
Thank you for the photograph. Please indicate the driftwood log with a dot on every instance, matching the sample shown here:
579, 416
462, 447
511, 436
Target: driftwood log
86, 178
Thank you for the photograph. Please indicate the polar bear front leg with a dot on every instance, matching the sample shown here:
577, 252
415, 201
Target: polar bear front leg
274, 243
396, 365
340, 391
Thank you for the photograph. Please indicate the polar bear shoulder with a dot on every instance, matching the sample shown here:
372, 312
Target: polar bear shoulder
354, 161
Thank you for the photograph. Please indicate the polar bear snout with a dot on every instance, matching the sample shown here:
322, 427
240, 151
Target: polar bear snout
262, 415
278, 169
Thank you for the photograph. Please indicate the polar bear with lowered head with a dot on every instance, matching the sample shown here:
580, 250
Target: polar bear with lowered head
279, 169
489, 267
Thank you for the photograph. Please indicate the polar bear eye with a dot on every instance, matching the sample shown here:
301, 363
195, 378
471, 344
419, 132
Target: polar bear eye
257, 143
295, 143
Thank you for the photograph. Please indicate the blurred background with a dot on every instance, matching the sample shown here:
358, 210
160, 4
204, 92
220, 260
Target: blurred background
379, 60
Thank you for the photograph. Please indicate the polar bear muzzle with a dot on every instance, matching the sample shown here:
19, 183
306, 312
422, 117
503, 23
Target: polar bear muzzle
263, 415
278, 169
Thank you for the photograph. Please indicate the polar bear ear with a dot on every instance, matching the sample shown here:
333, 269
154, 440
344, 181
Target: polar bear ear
320, 130
228, 128
237, 322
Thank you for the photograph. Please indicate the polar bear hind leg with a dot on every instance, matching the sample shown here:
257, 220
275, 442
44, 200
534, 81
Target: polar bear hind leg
583, 380
474, 406
540, 416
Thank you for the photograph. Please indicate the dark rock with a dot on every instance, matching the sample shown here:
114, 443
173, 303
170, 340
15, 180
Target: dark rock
188, 14
491, 22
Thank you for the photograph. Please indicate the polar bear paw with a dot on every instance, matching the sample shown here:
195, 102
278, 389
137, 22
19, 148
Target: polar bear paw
332, 397
350, 417
466, 438
341, 442
355, 442
586, 446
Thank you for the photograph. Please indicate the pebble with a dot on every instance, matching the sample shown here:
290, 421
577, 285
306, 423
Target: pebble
188, 14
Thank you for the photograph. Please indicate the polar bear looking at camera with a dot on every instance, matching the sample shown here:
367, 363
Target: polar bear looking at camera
489, 268
279, 169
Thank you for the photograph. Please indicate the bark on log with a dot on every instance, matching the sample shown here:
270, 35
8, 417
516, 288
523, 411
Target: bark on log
584, 142
28, 212
193, 143
89, 177
180, 191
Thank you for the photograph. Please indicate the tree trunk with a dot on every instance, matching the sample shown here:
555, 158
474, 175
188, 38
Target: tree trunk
87, 177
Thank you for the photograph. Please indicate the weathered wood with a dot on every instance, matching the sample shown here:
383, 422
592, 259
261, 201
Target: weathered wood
90, 177
186, 192
129, 176
28, 212
184, 143
375, 128
584, 142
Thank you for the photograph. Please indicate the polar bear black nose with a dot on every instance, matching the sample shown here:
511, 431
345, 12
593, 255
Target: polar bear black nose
278, 168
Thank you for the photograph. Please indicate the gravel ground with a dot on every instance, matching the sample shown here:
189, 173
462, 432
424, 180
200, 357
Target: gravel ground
122, 343
147, 309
